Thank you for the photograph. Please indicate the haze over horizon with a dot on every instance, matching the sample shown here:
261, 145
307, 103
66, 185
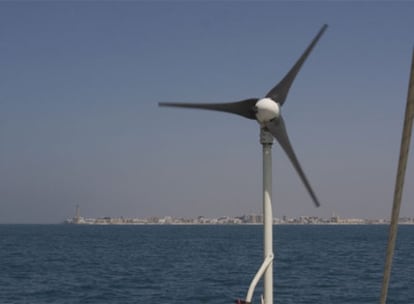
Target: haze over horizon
80, 124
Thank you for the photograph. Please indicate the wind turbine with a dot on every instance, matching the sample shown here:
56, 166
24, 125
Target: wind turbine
267, 112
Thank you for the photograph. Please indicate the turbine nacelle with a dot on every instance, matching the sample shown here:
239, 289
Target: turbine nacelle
266, 110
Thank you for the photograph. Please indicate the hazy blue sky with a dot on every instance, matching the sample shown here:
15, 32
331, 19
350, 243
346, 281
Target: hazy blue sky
79, 121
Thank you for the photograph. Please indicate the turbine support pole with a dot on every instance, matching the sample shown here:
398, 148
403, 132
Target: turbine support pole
266, 139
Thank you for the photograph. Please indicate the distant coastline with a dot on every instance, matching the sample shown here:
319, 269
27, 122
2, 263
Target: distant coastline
251, 219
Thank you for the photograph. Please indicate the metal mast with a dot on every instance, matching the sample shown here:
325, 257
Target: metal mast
266, 139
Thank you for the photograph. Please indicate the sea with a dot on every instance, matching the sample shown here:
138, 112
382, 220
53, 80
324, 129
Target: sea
168, 264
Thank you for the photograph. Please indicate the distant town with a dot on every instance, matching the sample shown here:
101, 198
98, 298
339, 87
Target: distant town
251, 219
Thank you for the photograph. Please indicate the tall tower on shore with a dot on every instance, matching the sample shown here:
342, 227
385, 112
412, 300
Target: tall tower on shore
77, 214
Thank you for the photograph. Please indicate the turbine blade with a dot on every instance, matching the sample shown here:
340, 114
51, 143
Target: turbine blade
279, 92
245, 108
278, 130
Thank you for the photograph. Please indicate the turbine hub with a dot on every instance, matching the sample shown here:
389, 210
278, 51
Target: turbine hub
267, 110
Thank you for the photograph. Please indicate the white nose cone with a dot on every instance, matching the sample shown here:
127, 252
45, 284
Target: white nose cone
267, 110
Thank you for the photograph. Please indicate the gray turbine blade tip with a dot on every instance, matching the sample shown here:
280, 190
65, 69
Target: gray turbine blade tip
323, 28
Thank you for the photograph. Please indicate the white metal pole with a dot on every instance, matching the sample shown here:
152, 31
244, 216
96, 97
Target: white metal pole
266, 139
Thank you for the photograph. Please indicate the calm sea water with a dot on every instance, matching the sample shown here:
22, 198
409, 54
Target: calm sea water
198, 264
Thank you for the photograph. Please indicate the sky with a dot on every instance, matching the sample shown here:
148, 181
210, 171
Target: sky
80, 124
